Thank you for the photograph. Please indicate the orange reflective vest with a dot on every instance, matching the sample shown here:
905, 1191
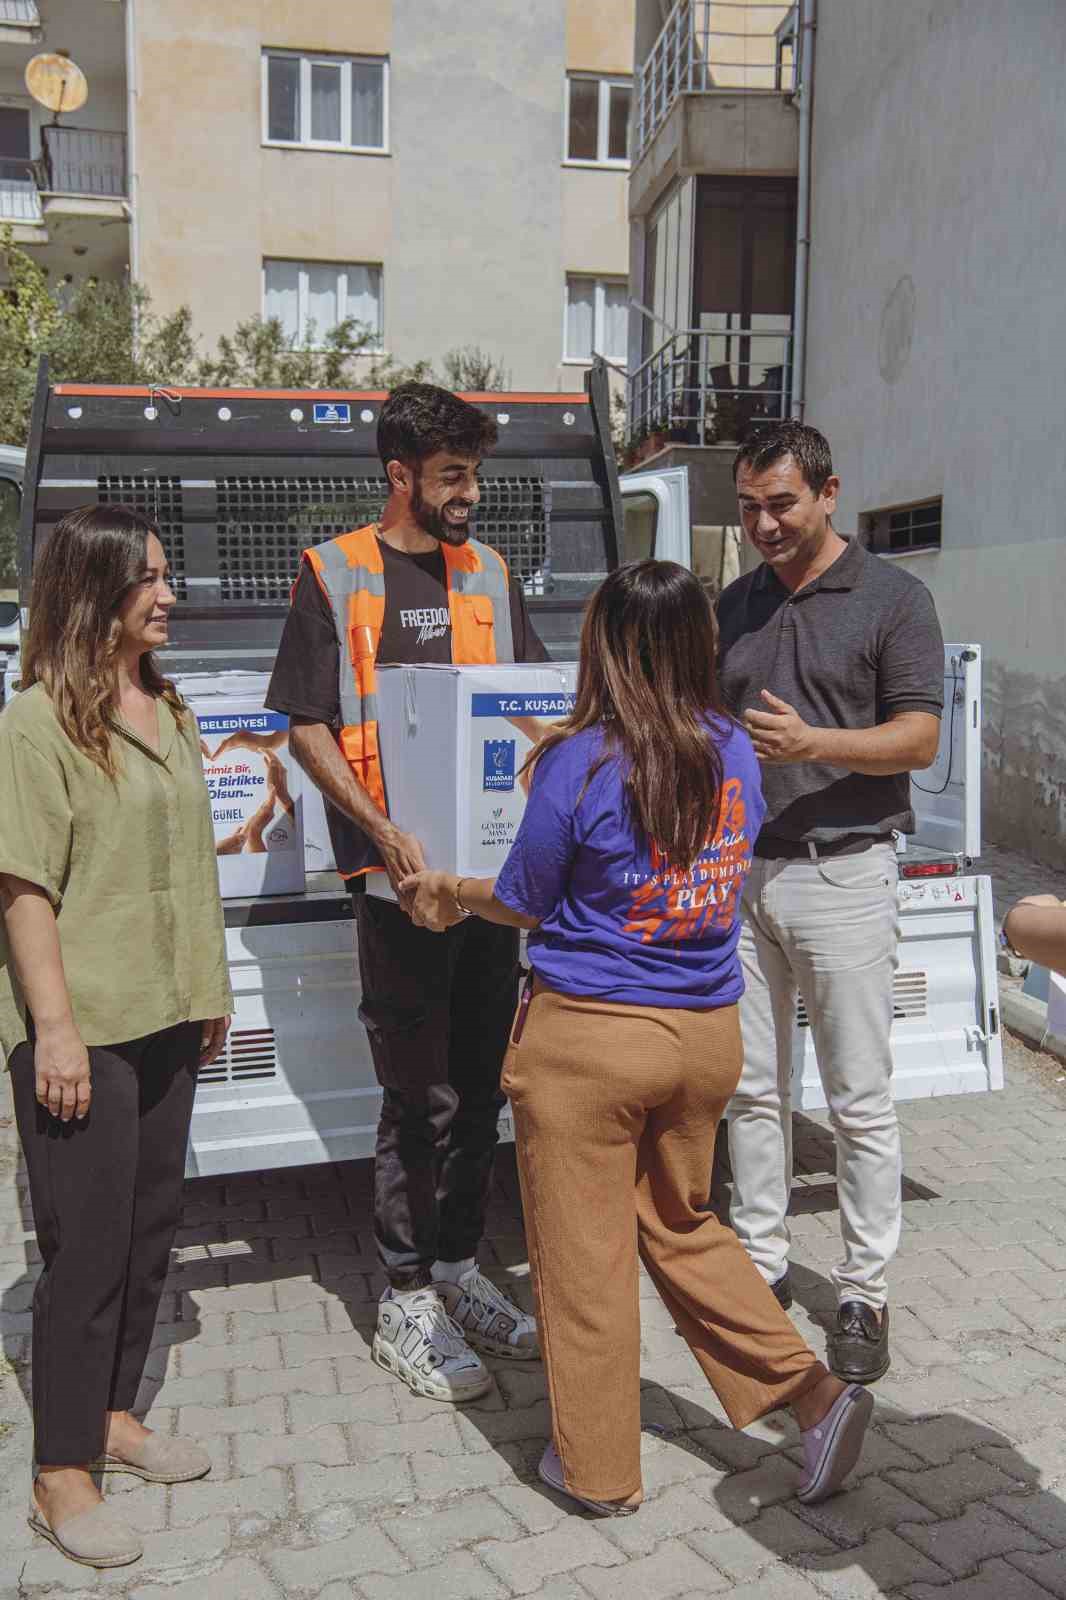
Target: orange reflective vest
351, 574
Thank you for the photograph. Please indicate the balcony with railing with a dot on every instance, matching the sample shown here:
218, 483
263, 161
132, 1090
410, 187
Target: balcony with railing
711, 45
83, 161
709, 385
20, 200
19, 19
79, 171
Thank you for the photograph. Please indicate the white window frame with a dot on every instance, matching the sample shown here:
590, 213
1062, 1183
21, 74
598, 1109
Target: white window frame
307, 60
599, 317
302, 294
603, 122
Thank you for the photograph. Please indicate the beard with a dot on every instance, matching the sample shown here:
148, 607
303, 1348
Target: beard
435, 523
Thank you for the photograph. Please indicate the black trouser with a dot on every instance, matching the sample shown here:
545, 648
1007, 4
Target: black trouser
438, 1009
106, 1195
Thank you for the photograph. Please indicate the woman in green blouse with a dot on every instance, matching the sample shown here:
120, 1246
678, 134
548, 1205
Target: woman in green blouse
113, 990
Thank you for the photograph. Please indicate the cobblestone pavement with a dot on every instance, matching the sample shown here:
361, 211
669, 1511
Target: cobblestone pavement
331, 1480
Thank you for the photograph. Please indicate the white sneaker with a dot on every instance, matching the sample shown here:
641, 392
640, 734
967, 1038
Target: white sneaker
418, 1341
487, 1319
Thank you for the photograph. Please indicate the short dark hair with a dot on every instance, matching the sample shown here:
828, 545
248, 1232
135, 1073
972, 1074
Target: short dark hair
418, 419
808, 448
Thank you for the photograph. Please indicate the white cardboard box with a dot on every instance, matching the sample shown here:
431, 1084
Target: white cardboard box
453, 740
256, 794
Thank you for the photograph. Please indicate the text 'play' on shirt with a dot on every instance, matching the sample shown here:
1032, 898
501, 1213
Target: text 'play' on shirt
615, 921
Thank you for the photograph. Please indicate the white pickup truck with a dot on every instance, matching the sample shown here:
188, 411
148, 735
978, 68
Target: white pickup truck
238, 482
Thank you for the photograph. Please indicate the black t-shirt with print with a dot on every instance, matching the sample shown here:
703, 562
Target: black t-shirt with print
416, 631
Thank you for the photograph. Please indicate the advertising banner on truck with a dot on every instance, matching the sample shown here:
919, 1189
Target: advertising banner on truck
254, 788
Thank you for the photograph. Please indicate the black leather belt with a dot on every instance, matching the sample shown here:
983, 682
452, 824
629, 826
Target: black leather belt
847, 844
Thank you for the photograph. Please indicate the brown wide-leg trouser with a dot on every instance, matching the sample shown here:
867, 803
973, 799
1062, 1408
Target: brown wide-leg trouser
616, 1109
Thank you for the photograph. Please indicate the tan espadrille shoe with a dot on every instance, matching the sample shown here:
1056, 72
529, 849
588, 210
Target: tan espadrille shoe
95, 1538
158, 1459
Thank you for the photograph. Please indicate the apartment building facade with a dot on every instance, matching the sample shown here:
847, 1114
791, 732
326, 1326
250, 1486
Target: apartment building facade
712, 199
448, 176
64, 189
932, 345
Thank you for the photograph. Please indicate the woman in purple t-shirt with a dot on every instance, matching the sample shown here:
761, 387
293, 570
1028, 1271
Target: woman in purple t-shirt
627, 870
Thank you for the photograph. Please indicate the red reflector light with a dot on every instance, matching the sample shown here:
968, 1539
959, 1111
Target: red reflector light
929, 869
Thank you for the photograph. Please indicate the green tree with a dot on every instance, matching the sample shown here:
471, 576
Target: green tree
108, 332
9, 530
259, 355
98, 332
471, 369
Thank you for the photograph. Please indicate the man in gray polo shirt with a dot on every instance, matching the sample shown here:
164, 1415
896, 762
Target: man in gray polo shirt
834, 660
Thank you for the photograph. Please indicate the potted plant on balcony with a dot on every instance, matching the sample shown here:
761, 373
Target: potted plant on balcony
728, 423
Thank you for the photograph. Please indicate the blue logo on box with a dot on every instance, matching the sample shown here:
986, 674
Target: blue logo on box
499, 764
334, 411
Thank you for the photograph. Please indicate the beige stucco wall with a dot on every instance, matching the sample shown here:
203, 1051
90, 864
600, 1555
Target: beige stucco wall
595, 228
212, 202
599, 36
473, 215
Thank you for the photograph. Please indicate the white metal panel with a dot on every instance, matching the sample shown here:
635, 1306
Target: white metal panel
946, 1033
296, 1084
672, 539
946, 797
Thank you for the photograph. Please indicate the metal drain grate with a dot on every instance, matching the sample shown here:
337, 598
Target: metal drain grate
264, 524
250, 1056
910, 997
158, 499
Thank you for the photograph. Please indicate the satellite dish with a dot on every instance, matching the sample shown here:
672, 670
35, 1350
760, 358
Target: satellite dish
56, 82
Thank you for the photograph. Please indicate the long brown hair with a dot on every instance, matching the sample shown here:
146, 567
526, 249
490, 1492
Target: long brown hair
80, 578
647, 678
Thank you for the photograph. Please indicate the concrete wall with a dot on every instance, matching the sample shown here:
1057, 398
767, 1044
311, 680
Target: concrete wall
754, 133
472, 214
936, 344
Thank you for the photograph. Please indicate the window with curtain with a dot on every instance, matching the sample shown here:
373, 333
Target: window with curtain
597, 319
325, 102
309, 298
597, 121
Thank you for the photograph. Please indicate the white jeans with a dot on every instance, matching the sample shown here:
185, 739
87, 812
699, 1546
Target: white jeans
831, 929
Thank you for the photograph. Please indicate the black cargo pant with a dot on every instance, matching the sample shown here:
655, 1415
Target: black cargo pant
106, 1195
438, 1009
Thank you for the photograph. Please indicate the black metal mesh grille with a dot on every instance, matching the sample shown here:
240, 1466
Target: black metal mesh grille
158, 499
513, 518
264, 523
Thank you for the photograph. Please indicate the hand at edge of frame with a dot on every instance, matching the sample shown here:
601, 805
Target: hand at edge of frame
63, 1083
212, 1039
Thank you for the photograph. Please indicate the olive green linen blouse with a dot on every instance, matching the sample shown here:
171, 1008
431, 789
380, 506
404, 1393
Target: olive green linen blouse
129, 867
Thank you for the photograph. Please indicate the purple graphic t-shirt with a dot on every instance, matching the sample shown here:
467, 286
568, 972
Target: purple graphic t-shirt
615, 921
